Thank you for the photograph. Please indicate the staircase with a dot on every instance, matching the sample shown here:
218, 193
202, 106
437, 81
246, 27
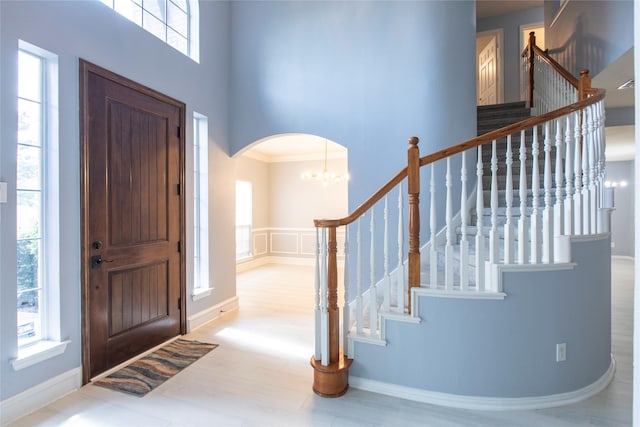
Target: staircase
473, 317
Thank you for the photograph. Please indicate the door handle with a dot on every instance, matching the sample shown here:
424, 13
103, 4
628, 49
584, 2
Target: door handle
97, 260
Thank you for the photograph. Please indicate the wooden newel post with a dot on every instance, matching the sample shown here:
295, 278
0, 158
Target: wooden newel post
332, 297
584, 86
413, 174
532, 43
332, 380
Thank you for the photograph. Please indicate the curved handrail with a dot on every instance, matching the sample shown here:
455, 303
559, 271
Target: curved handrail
598, 94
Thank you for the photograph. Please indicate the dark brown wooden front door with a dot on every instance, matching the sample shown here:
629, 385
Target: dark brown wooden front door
132, 219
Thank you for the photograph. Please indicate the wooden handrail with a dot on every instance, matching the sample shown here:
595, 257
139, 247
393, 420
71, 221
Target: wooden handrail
532, 47
598, 94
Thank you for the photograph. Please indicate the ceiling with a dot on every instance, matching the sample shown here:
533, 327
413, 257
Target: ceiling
486, 8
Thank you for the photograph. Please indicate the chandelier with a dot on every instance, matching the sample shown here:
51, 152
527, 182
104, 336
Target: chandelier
325, 176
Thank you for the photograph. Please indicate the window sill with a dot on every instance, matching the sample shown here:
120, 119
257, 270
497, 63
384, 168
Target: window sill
200, 293
38, 352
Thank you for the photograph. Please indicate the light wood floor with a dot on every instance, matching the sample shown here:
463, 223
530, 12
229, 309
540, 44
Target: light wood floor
260, 375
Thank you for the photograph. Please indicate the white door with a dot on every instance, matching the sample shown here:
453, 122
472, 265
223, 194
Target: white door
487, 74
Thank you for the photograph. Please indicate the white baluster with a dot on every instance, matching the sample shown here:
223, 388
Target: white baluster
346, 309
400, 282
547, 213
433, 254
479, 223
523, 230
577, 176
508, 226
464, 243
359, 302
324, 298
568, 170
387, 278
493, 233
373, 304
536, 237
558, 219
586, 215
448, 249
316, 303
593, 196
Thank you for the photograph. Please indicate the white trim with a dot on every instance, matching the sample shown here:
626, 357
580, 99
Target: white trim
40, 395
406, 318
486, 403
367, 340
629, 258
200, 293
297, 250
590, 237
496, 271
212, 313
443, 293
38, 352
563, 5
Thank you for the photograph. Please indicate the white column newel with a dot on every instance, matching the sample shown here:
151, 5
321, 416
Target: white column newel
387, 279
464, 243
346, 308
479, 224
373, 292
359, 302
509, 239
523, 229
547, 212
433, 254
577, 176
568, 178
400, 282
493, 233
536, 238
316, 301
448, 249
324, 298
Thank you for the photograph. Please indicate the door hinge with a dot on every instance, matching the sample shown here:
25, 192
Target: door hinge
179, 189
179, 303
179, 246
178, 131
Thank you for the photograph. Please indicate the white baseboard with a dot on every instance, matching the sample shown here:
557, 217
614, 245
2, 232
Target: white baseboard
41, 395
259, 262
486, 403
196, 320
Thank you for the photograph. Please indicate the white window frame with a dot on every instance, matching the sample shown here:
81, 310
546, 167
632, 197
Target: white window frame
201, 277
48, 343
244, 224
136, 11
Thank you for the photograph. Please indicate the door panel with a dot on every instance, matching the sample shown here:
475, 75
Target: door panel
133, 271
487, 74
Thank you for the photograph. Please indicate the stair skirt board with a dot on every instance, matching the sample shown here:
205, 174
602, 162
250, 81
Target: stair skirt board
486, 403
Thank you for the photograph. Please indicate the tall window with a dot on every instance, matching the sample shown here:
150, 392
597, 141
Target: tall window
36, 193
201, 203
243, 219
175, 22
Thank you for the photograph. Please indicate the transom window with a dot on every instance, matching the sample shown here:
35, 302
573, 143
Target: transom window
172, 21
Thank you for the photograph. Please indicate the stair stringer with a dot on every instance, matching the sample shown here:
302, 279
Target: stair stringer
501, 353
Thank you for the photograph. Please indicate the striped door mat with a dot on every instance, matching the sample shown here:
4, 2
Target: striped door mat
147, 373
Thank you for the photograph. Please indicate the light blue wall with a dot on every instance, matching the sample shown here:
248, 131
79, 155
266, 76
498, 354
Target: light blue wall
367, 75
505, 348
510, 23
91, 31
588, 34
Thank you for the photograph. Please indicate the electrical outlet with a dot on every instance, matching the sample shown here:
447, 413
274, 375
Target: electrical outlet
3, 192
561, 352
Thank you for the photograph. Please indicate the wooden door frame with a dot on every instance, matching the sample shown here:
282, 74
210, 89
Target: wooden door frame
499, 36
87, 68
